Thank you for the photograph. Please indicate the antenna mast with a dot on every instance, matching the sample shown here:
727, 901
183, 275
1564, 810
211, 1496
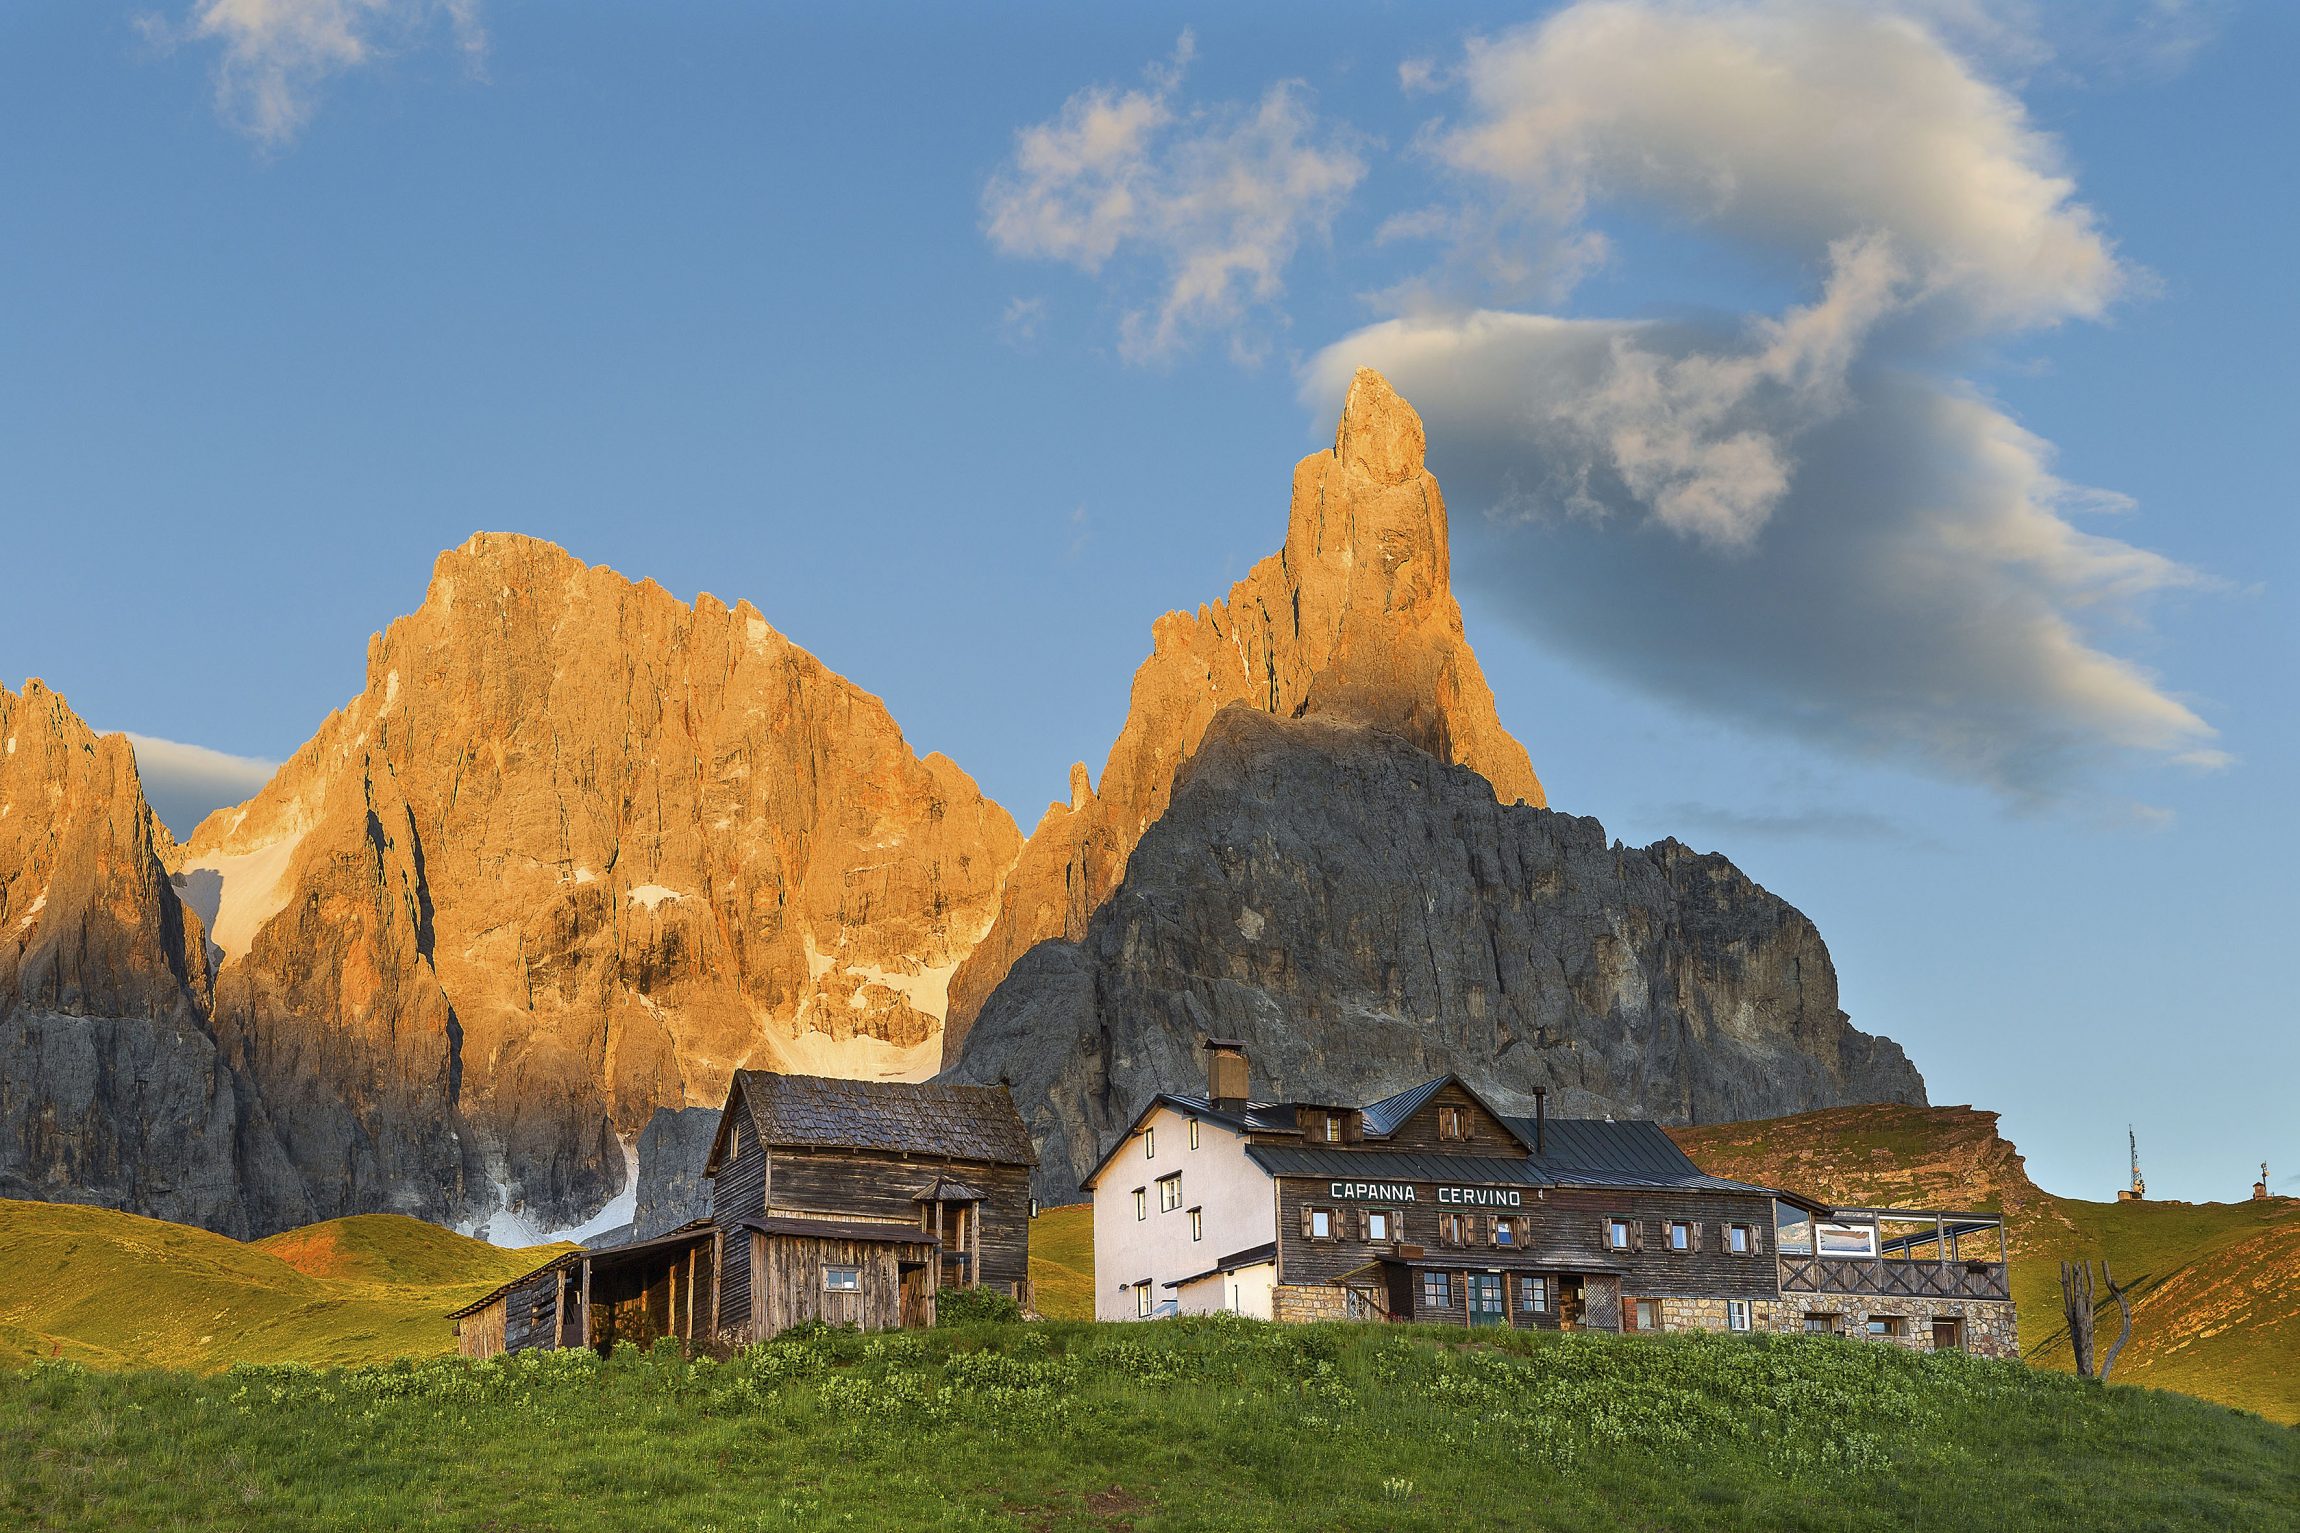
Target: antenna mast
2139, 1188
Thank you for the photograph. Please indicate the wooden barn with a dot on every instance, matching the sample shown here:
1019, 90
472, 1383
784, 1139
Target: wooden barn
854, 1201
849, 1202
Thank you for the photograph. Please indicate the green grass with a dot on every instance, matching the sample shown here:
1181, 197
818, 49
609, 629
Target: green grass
1213, 1424
109, 1289
1062, 1261
2217, 1285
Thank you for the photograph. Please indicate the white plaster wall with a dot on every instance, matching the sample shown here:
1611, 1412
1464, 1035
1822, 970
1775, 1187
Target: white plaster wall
1237, 1196
1244, 1292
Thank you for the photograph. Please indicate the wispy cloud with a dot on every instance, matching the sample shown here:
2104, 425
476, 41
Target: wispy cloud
184, 783
1813, 823
276, 56
1203, 207
1801, 521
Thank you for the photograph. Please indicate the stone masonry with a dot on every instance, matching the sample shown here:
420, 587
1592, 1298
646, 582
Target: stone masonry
1989, 1326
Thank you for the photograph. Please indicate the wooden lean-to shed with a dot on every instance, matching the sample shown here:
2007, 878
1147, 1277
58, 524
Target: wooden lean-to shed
854, 1202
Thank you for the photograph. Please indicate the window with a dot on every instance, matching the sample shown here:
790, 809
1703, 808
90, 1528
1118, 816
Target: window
1645, 1315
1379, 1223
735, 1141
1680, 1235
1457, 1229
1453, 1123
843, 1279
1197, 1224
1141, 1202
1484, 1295
1617, 1234
1736, 1314
1169, 1193
1818, 1324
1508, 1232
1318, 1223
1533, 1294
1885, 1326
1193, 1133
1149, 1144
1333, 1128
1738, 1239
1142, 1299
1437, 1290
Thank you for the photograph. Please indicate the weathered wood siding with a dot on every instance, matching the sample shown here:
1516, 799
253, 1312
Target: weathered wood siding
789, 1289
530, 1312
858, 1185
1566, 1233
739, 1191
480, 1333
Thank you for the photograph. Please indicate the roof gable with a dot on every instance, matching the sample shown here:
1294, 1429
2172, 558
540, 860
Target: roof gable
1412, 1115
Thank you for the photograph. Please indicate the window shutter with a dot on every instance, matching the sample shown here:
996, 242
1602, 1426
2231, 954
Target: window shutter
1637, 1234
1305, 1221
1628, 1314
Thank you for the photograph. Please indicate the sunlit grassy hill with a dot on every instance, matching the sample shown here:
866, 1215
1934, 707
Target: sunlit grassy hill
113, 1290
2216, 1308
1062, 1261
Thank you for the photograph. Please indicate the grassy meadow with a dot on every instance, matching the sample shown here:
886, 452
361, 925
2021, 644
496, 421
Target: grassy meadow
2216, 1307
1194, 1424
114, 1290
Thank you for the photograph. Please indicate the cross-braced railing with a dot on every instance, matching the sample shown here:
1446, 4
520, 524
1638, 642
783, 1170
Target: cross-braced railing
1894, 1277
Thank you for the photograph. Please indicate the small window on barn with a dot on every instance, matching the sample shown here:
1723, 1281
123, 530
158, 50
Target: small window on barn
1318, 1223
843, 1279
1197, 1224
1142, 1299
1508, 1231
1819, 1324
1453, 1123
1437, 1290
1648, 1314
1333, 1128
1149, 1144
1885, 1327
1736, 1314
1739, 1239
1680, 1235
1193, 1133
1533, 1294
1141, 1202
1378, 1224
1617, 1234
735, 1141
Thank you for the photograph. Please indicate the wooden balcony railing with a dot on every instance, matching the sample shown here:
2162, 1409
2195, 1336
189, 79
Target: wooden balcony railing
1894, 1277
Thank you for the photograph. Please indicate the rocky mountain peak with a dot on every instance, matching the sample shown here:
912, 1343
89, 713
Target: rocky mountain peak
1353, 620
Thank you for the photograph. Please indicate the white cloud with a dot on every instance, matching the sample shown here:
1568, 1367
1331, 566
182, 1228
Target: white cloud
185, 782
1213, 202
1788, 125
1918, 591
278, 54
1802, 522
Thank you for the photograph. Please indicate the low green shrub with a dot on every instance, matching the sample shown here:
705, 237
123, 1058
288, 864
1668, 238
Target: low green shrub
967, 1306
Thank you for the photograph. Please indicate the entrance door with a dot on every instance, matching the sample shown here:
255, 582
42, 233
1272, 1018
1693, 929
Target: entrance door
1571, 1316
1948, 1336
1485, 1299
917, 1297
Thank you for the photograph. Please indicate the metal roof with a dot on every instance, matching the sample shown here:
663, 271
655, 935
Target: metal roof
903, 1117
521, 1281
1382, 1118
1252, 1256
1489, 1170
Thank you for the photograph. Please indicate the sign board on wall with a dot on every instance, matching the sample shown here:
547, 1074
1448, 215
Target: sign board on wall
1443, 1194
1845, 1239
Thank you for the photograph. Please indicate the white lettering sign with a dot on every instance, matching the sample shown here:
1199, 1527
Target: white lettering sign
1481, 1197
1371, 1192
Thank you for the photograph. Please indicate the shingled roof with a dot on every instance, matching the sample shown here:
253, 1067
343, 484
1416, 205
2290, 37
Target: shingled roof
903, 1117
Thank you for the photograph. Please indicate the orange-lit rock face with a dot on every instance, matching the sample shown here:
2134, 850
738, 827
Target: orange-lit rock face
88, 924
1354, 620
579, 850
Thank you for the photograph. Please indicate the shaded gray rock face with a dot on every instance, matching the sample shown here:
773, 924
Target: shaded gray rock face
139, 1114
672, 1187
1364, 916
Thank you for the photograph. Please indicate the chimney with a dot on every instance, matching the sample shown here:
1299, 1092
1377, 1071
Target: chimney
1541, 1120
1226, 1074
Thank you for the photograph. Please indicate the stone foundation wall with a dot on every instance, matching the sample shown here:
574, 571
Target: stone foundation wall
1990, 1329
1307, 1301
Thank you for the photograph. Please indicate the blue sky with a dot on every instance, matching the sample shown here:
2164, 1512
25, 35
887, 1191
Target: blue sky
1866, 430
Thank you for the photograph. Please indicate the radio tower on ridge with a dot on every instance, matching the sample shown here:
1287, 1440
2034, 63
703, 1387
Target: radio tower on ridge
2139, 1188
